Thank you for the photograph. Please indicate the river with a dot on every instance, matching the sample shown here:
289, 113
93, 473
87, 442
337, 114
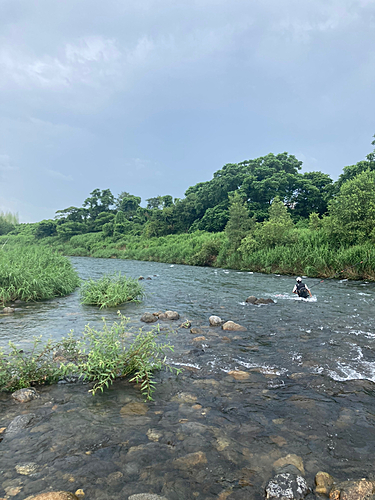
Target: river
309, 390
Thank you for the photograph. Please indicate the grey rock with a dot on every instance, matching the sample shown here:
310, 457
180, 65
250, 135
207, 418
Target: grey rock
287, 486
25, 395
251, 300
146, 496
215, 320
141, 278
148, 318
196, 331
19, 423
8, 310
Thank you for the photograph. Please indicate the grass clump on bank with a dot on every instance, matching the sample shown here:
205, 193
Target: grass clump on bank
34, 273
97, 356
111, 290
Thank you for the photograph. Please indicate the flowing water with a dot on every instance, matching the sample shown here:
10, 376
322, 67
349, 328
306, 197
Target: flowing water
308, 390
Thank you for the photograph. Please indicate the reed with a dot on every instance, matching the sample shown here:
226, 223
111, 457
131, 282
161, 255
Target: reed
111, 290
34, 273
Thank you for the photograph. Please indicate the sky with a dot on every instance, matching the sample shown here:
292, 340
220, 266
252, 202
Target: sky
153, 96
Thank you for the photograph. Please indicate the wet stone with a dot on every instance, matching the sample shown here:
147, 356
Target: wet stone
25, 395
234, 327
196, 331
286, 486
290, 459
353, 490
190, 460
148, 318
146, 496
324, 483
251, 300
215, 320
199, 339
54, 495
172, 315
184, 397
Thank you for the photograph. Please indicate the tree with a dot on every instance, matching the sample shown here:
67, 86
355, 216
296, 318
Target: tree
128, 204
239, 222
45, 228
99, 201
352, 212
352, 171
313, 192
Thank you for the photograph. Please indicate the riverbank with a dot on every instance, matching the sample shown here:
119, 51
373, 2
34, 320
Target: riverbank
309, 254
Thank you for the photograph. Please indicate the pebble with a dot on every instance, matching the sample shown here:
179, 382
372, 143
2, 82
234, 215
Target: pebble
25, 395
132, 409
234, 327
239, 374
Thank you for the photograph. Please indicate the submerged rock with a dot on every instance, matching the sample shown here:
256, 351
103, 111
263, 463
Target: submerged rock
27, 469
196, 331
239, 374
190, 460
215, 320
25, 395
19, 423
362, 489
251, 300
146, 496
141, 278
264, 301
148, 318
233, 327
132, 409
54, 495
290, 459
287, 486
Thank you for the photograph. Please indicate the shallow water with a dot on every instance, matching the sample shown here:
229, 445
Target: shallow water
310, 390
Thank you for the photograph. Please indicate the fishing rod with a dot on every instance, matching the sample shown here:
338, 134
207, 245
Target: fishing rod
339, 272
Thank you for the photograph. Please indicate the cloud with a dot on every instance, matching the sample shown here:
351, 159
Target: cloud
6, 164
58, 175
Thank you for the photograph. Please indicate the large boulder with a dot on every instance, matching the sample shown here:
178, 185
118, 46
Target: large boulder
234, 327
215, 320
25, 395
148, 318
264, 301
324, 483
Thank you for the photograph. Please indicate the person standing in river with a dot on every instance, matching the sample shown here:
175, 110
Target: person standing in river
301, 289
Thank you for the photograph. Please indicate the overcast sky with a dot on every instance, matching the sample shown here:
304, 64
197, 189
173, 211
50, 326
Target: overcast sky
153, 96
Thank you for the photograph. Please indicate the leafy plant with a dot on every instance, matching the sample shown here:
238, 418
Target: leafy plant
98, 356
111, 290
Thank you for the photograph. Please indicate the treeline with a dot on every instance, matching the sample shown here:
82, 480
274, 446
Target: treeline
261, 214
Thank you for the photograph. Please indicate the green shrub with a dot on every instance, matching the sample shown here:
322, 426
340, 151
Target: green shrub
98, 356
34, 273
111, 290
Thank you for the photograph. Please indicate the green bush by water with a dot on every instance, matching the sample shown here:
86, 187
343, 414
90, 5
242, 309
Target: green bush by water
97, 356
33, 273
111, 290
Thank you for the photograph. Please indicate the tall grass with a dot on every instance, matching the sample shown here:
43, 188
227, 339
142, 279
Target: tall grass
34, 273
10, 217
111, 290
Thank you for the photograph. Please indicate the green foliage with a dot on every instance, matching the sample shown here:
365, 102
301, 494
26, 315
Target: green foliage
45, 228
34, 273
111, 290
352, 212
10, 217
239, 223
98, 356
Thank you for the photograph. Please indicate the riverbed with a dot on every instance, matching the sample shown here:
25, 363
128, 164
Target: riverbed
308, 390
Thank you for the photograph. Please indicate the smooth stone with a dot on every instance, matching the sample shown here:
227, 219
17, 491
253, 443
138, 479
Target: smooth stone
251, 300
146, 496
190, 460
199, 339
8, 310
141, 278
54, 495
215, 320
25, 395
286, 486
173, 315
362, 489
154, 435
233, 327
239, 374
148, 318
132, 409
196, 331
264, 301
27, 469
19, 423
163, 316
158, 313
324, 483
290, 459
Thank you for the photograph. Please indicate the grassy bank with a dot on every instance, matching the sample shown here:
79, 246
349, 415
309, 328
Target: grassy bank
309, 252
32, 273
